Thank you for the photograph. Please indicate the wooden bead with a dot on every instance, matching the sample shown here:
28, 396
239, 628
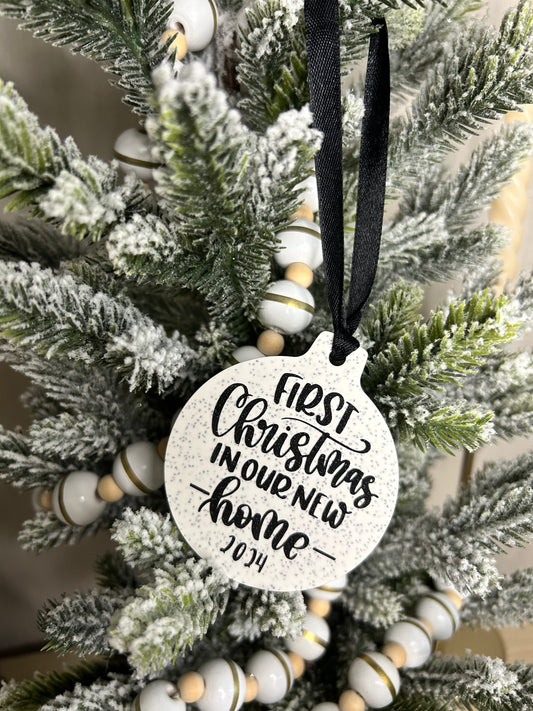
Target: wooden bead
304, 212
297, 663
45, 499
322, 608
455, 598
108, 489
162, 448
427, 624
252, 687
191, 687
351, 701
396, 653
299, 273
270, 343
179, 46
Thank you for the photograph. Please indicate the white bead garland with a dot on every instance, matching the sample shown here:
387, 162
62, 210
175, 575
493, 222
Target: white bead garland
158, 696
375, 678
225, 686
440, 612
286, 307
138, 469
414, 637
274, 674
327, 706
197, 19
312, 643
75, 501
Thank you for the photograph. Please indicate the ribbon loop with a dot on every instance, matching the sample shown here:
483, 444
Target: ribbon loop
323, 57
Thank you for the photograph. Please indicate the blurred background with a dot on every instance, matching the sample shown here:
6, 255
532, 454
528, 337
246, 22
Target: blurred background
73, 95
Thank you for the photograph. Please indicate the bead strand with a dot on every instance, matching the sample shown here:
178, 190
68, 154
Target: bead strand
191, 26
373, 676
221, 684
80, 497
288, 307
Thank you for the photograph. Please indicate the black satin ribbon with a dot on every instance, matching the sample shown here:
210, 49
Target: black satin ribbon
323, 57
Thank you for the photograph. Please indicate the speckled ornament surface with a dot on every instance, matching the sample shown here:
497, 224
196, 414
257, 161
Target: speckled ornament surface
281, 471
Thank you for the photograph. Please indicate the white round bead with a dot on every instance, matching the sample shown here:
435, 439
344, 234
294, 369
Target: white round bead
274, 674
374, 677
329, 591
133, 150
327, 706
198, 20
156, 696
138, 469
300, 242
244, 353
414, 637
308, 190
314, 638
225, 686
286, 307
75, 501
440, 611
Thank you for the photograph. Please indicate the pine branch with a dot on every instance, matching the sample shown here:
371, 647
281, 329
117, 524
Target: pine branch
123, 35
33, 241
508, 604
113, 573
214, 165
404, 377
20, 467
55, 314
45, 531
79, 621
30, 157
272, 67
88, 201
45, 172
253, 613
30, 695
375, 604
505, 384
147, 540
168, 615
475, 682
483, 74
115, 695
411, 61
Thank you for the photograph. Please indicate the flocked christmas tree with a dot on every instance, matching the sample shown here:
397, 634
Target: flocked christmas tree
119, 298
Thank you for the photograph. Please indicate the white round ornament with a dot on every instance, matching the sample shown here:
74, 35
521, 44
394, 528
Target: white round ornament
138, 469
225, 686
158, 696
314, 639
244, 353
440, 612
197, 19
282, 471
286, 307
75, 501
274, 674
414, 637
133, 150
375, 678
300, 242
